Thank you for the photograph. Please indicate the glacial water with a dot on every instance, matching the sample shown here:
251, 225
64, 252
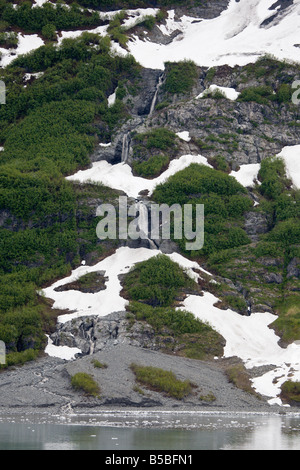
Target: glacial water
154, 431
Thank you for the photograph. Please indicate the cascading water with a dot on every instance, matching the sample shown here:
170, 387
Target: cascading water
125, 147
159, 84
143, 223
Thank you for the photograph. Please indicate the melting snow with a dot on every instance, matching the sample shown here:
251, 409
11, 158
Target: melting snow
120, 176
229, 93
235, 37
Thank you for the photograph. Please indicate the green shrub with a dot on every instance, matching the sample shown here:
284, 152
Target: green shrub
162, 381
180, 76
98, 364
238, 375
272, 177
193, 180
177, 320
260, 94
19, 358
155, 281
152, 167
49, 32
290, 392
84, 382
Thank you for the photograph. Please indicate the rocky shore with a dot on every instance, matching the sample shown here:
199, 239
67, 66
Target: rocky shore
43, 387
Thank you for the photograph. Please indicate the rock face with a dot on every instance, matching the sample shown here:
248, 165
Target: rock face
93, 333
256, 224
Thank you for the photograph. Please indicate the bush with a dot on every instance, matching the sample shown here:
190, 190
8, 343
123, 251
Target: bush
178, 321
84, 382
290, 392
49, 32
239, 376
162, 381
155, 281
98, 364
261, 94
152, 167
19, 358
180, 76
193, 180
272, 177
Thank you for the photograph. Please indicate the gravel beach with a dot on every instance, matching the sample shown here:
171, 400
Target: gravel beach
44, 386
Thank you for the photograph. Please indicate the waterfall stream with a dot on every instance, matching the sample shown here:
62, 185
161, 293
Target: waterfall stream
159, 84
143, 224
125, 147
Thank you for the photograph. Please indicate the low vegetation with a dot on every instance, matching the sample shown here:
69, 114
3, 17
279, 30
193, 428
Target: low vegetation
84, 382
48, 131
224, 199
180, 76
162, 381
290, 392
156, 281
238, 376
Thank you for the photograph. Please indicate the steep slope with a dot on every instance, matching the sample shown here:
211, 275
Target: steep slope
90, 113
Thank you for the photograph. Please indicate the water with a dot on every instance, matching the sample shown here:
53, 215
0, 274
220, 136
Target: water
154, 431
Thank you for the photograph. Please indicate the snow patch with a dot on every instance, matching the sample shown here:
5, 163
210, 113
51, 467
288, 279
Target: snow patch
235, 37
120, 176
291, 157
26, 43
246, 174
63, 352
229, 93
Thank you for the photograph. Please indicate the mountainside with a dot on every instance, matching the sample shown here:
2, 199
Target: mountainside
177, 103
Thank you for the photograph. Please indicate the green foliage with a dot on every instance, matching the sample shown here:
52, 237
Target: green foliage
178, 321
47, 130
160, 138
85, 382
273, 177
155, 281
8, 39
19, 358
162, 381
287, 324
224, 201
290, 392
34, 19
180, 76
260, 94
49, 32
99, 365
196, 179
286, 233
152, 167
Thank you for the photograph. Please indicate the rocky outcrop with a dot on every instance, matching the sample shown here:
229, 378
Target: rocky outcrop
93, 333
256, 224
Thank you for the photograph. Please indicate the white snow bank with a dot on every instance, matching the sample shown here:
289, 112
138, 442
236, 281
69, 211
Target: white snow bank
103, 302
234, 38
291, 157
120, 176
112, 99
229, 93
26, 43
246, 174
251, 339
184, 135
109, 300
63, 352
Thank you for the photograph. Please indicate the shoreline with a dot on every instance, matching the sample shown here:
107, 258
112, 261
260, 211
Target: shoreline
41, 391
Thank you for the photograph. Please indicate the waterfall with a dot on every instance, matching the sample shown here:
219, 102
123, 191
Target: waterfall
143, 224
125, 147
159, 84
